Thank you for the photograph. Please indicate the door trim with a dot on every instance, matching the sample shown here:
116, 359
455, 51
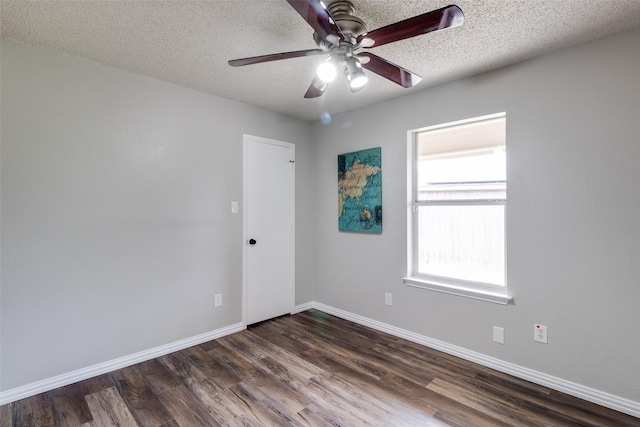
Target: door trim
246, 138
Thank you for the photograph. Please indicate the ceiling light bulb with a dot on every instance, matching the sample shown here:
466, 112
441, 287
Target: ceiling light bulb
358, 81
327, 71
356, 76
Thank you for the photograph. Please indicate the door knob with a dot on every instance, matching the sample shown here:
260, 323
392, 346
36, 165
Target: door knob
252, 242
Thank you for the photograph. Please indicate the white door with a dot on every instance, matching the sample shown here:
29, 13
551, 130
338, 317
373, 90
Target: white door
268, 228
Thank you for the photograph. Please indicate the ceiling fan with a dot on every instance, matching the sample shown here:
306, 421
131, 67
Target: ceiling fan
341, 35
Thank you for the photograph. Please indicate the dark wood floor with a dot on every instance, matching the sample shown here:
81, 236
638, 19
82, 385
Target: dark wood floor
307, 369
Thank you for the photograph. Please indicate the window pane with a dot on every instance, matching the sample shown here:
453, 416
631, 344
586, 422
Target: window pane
463, 176
462, 242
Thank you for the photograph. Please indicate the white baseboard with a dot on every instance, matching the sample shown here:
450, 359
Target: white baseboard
602, 398
303, 307
62, 380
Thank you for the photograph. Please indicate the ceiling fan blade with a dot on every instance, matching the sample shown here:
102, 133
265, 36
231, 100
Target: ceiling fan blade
390, 71
317, 15
275, 57
316, 89
447, 17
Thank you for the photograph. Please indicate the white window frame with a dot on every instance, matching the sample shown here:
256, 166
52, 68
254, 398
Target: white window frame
480, 291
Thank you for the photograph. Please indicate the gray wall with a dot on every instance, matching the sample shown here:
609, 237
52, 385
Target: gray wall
573, 222
116, 227
116, 223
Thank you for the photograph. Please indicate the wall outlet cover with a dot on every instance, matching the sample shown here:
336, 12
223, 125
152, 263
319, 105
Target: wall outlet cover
388, 299
540, 333
498, 335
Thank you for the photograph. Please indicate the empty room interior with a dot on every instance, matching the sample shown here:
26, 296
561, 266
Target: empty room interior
178, 196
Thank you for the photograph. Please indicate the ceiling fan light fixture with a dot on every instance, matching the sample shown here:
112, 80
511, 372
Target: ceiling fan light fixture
327, 71
355, 74
358, 82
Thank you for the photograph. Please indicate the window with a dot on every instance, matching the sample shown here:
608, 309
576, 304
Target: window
458, 196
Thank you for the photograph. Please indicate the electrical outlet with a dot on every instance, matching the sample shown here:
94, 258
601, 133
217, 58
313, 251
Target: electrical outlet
498, 335
387, 299
218, 300
540, 333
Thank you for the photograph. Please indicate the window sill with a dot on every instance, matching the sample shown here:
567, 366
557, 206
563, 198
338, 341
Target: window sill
482, 295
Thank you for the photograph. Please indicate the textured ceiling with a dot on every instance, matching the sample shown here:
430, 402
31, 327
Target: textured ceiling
189, 42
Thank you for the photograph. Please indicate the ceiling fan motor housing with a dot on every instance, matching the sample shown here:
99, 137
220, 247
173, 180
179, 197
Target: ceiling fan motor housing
351, 26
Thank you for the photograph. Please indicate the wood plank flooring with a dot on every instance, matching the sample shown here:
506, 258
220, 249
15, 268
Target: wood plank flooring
309, 369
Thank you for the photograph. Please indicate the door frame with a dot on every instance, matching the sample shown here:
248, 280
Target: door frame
246, 138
